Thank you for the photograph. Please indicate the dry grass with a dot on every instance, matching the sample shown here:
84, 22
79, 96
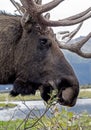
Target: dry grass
6, 96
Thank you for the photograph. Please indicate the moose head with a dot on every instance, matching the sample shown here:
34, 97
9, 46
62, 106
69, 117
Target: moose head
37, 60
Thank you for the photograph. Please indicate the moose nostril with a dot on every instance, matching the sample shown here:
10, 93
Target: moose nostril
65, 83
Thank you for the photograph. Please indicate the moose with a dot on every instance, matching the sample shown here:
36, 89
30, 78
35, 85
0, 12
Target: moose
30, 54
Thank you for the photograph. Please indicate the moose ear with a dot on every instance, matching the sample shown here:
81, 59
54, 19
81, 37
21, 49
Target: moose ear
27, 26
26, 22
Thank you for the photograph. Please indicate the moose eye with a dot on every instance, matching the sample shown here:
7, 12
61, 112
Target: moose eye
43, 41
44, 44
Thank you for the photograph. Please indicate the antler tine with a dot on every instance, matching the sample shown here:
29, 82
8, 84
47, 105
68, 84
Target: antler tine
75, 19
80, 43
72, 34
76, 47
31, 8
19, 8
63, 32
27, 3
49, 6
22, 11
80, 14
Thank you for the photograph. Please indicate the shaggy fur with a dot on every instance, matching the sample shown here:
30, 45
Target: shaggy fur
30, 58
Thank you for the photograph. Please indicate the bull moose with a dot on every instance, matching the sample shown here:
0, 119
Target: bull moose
30, 55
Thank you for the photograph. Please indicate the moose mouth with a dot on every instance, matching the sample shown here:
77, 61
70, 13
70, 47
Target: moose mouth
66, 93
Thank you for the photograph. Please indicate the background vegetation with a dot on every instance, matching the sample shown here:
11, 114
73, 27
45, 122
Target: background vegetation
63, 120
59, 120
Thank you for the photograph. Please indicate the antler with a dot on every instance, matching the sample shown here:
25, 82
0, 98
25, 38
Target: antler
69, 35
76, 47
75, 19
35, 9
66, 43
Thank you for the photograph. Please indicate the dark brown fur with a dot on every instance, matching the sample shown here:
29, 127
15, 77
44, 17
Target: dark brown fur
30, 59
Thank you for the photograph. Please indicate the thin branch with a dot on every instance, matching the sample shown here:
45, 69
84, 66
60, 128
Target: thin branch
39, 118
